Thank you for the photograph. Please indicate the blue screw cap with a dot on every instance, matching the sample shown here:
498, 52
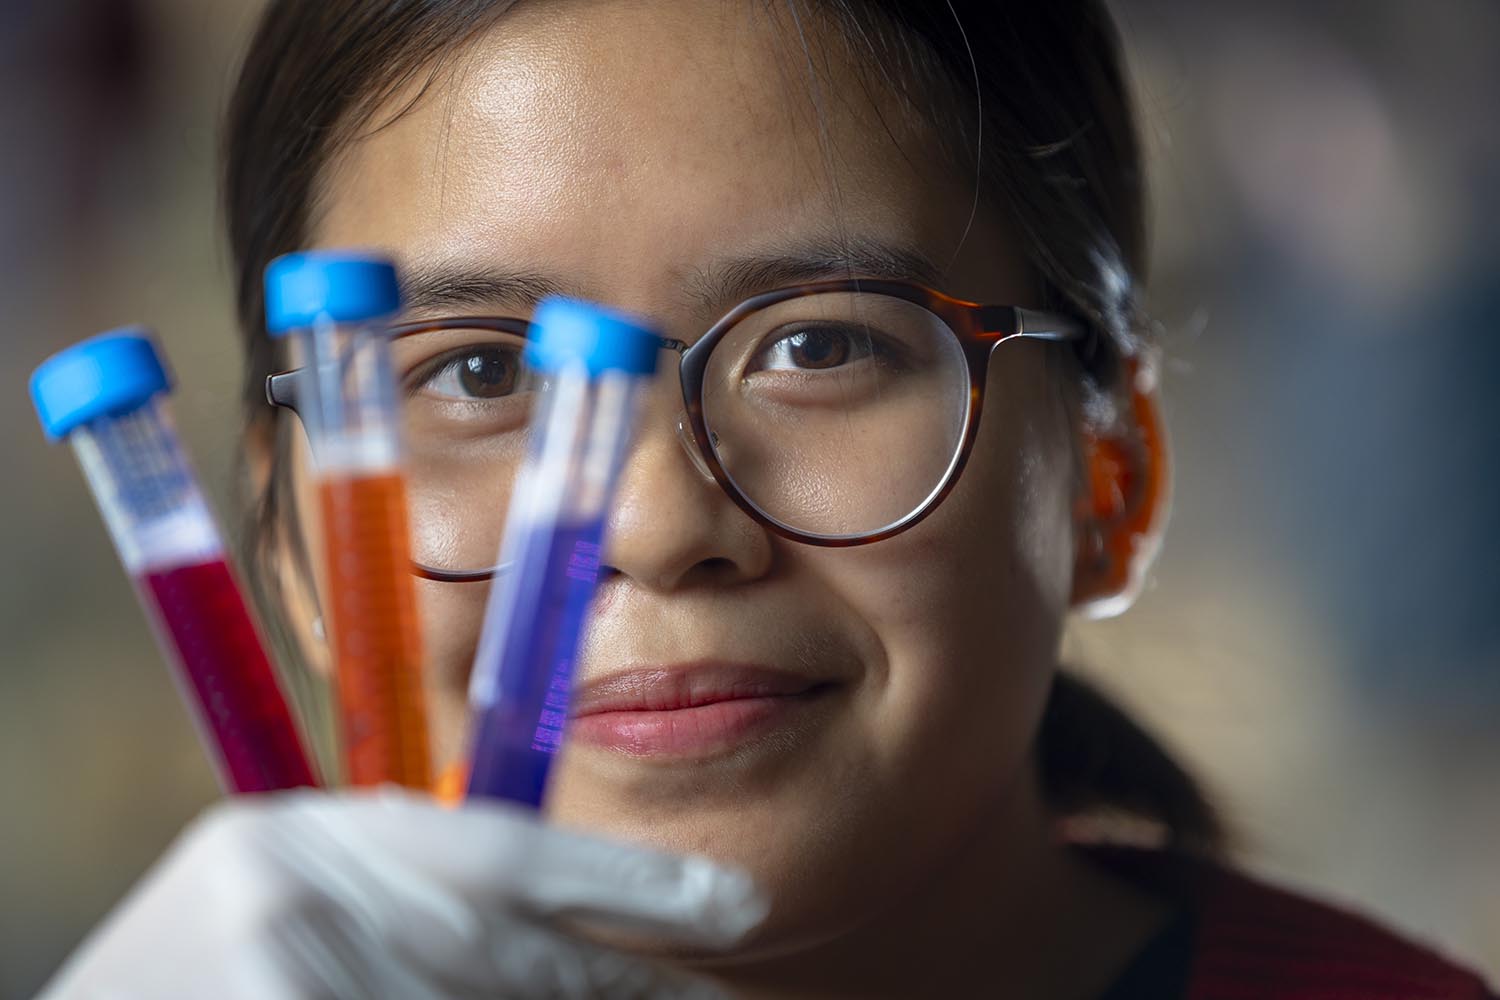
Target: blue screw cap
569, 330
341, 286
105, 376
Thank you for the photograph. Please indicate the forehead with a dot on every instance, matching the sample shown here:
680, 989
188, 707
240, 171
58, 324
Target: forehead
626, 145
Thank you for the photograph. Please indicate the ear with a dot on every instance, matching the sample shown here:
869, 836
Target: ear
1122, 502
300, 610
272, 454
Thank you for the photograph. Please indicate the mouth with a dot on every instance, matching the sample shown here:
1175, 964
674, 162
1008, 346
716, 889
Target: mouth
691, 710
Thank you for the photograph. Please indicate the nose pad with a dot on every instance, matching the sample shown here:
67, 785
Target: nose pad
689, 444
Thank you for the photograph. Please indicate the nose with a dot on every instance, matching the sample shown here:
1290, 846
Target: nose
671, 525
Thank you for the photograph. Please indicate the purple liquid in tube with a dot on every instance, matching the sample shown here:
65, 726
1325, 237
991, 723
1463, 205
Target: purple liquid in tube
228, 679
521, 733
596, 361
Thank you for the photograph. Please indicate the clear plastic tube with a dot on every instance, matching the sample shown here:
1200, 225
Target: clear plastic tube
523, 669
168, 541
335, 304
350, 413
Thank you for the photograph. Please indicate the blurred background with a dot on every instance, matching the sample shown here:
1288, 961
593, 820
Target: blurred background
1321, 637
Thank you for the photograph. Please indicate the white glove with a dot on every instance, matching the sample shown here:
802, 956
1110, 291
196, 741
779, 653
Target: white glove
386, 894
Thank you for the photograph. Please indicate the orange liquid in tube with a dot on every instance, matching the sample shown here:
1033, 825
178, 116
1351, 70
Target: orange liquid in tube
374, 631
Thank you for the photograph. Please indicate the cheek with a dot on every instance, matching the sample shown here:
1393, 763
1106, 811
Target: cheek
966, 608
451, 614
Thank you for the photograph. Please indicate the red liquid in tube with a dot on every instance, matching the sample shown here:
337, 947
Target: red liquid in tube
231, 683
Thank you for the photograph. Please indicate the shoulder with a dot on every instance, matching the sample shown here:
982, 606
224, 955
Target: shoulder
1253, 936
1256, 941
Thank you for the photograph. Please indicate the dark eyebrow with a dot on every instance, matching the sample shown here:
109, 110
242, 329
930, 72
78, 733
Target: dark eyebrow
432, 287
717, 286
725, 284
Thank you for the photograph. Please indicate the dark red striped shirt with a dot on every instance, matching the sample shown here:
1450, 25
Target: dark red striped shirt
1237, 938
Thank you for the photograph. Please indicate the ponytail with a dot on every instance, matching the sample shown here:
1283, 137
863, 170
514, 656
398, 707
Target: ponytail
1103, 775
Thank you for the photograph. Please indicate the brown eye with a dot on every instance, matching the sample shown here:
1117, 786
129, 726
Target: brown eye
812, 349
471, 373
818, 349
487, 375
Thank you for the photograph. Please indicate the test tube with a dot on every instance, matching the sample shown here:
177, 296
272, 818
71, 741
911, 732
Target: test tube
107, 397
336, 305
594, 363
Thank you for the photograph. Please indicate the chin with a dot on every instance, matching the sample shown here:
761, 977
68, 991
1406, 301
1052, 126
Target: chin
811, 862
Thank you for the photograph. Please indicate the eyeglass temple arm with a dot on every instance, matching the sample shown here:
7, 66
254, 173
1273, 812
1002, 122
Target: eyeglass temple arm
1041, 325
281, 389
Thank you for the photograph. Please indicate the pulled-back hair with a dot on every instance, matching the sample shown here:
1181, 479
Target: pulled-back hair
1031, 99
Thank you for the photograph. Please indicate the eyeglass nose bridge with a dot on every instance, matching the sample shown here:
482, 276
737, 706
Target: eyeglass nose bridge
685, 435
689, 442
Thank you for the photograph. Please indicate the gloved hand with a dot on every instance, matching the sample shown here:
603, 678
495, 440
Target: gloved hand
386, 894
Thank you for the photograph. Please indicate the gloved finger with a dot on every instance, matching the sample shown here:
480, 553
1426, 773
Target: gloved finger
497, 856
328, 955
366, 899
376, 931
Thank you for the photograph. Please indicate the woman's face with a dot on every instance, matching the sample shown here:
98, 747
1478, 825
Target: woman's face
637, 161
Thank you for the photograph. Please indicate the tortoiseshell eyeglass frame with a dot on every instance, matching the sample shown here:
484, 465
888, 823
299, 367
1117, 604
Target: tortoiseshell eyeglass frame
978, 328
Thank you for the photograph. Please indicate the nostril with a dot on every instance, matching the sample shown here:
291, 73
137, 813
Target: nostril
607, 588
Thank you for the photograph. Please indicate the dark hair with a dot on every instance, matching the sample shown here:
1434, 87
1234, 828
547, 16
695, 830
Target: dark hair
1058, 160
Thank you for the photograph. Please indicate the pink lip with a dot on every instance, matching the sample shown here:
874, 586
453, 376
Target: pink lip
687, 710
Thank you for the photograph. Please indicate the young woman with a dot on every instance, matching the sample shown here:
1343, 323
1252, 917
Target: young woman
855, 199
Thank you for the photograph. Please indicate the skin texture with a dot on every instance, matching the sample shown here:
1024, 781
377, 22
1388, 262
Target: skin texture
896, 826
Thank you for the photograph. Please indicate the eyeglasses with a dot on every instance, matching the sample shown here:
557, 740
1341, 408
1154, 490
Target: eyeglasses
835, 413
